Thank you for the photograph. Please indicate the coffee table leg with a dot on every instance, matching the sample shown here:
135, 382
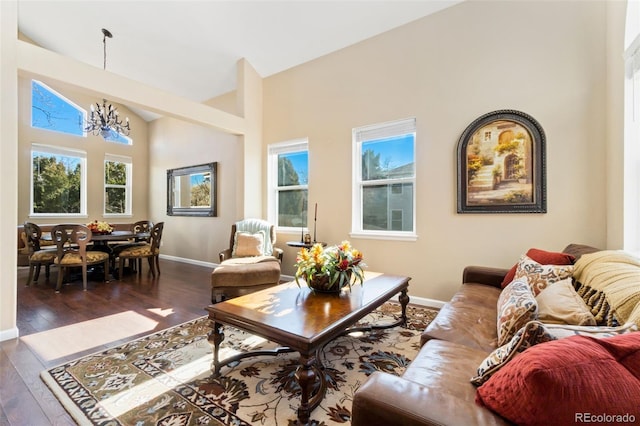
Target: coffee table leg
404, 301
306, 377
216, 336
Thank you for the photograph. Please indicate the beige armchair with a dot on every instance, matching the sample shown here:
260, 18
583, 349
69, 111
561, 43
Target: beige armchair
251, 262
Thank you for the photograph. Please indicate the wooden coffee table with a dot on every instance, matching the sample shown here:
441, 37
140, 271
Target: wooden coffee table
304, 322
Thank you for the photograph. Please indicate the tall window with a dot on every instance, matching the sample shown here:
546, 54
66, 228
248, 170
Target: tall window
58, 181
384, 180
632, 130
52, 111
288, 170
117, 185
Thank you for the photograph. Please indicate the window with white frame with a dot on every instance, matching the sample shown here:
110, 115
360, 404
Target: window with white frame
58, 181
384, 180
632, 130
288, 172
52, 111
117, 185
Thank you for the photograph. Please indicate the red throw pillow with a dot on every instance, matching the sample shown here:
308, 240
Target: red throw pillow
578, 379
542, 257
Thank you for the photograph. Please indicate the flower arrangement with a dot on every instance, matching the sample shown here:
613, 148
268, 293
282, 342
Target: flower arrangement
100, 227
334, 266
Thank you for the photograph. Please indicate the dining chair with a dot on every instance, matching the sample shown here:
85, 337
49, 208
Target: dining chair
71, 243
139, 227
37, 256
150, 250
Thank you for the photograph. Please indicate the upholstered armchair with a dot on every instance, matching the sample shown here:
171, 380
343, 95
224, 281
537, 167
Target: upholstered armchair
251, 262
251, 237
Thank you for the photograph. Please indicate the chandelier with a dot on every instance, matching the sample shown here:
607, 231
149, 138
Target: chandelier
104, 118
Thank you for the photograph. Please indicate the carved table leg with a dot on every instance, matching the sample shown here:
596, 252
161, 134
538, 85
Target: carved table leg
404, 301
306, 377
215, 337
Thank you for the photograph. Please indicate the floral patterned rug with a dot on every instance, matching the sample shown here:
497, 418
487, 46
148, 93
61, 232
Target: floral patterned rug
165, 378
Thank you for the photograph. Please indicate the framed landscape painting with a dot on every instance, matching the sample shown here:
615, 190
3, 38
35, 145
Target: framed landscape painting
501, 165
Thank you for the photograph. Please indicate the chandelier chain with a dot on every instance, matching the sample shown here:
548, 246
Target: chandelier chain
104, 118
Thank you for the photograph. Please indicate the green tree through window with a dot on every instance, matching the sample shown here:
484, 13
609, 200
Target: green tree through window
56, 184
115, 177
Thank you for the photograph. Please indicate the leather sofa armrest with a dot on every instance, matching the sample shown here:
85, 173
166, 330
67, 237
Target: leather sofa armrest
484, 275
225, 254
385, 399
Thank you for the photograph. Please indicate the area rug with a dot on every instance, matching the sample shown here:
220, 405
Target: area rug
165, 378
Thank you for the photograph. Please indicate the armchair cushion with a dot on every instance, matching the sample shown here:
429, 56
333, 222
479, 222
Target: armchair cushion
247, 244
253, 226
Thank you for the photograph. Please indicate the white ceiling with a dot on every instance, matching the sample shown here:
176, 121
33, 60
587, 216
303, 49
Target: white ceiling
190, 48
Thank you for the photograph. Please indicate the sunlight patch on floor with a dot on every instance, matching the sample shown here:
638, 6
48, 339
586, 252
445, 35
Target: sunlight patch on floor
144, 392
63, 341
161, 312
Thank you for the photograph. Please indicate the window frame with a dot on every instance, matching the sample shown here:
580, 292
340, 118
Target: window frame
273, 151
382, 131
128, 162
55, 151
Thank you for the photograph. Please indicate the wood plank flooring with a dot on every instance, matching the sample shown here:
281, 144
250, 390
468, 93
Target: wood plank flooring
55, 328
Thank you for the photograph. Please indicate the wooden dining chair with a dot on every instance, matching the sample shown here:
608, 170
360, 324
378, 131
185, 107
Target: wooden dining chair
37, 256
71, 243
150, 250
139, 227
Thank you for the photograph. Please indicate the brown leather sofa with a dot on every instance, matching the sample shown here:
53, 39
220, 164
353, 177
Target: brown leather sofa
435, 388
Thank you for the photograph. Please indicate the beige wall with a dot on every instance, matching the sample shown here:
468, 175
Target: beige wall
556, 61
95, 147
543, 58
173, 144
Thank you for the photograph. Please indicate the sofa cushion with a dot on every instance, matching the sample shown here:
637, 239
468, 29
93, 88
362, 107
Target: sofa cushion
560, 304
516, 307
539, 276
543, 257
554, 382
445, 367
469, 318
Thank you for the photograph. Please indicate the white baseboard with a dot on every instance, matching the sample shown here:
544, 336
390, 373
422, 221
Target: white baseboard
190, 261
9, 334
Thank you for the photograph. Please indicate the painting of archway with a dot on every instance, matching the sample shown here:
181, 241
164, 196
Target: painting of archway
501, 165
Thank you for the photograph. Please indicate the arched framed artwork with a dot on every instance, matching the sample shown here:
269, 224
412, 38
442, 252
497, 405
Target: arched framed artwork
501, 165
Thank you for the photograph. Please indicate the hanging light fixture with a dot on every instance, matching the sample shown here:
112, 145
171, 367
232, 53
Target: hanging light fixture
104, 118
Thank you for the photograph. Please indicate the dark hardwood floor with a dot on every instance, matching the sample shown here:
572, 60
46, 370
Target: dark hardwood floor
56, 328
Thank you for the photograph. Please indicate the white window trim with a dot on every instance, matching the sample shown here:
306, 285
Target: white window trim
291, 146
128, 161
55, 150
380, 130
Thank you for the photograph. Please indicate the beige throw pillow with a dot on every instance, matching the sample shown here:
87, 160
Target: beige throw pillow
559, 303
246, 244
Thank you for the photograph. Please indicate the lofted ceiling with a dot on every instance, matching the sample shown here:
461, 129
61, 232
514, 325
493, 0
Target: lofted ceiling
190, 48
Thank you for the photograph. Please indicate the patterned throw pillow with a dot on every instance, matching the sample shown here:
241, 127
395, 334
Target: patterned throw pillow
540, 276
246, 244
516, 307
532, 333
541, 256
